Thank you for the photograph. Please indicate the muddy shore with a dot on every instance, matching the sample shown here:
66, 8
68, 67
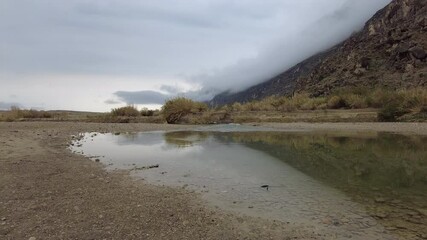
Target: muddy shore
46, 192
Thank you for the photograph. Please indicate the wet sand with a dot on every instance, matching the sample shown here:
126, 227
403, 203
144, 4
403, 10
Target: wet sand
46, 192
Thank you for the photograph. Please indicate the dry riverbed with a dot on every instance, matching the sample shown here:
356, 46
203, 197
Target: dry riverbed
46, 192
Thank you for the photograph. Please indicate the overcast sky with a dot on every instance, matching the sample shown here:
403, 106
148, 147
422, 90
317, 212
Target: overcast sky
97, 54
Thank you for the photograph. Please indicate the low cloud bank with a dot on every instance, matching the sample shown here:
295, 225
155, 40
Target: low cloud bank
292, 49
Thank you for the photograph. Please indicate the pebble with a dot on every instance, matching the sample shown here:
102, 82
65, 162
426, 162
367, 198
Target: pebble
379, 200
381, 215
32, 238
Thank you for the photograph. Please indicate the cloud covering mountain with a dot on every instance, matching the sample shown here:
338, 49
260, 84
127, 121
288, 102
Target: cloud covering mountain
199, 48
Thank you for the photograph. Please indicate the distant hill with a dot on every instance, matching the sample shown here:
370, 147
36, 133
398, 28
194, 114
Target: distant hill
390, 51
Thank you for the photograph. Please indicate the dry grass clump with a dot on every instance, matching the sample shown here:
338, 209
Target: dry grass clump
15, 113
393, 102
177, 108
127, 111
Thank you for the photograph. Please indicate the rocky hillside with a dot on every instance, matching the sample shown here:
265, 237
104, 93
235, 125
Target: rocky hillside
390, 51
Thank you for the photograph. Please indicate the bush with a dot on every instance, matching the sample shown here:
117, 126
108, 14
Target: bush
391, 112
336, 102
145, 112
177, 108
354, 101
128, 111
17, 113
35, 114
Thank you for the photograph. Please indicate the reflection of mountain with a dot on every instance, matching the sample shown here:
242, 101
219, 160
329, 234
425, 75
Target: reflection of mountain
364, 162
387, 161
387, 174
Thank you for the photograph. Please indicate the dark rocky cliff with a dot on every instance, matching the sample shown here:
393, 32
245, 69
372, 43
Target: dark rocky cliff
390, 51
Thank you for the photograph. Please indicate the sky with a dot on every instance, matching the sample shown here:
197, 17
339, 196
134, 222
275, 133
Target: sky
94, 55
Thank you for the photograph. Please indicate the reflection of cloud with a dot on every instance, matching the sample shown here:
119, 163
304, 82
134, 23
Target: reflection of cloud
142, 97
144, 139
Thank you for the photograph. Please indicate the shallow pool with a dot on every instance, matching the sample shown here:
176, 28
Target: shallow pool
358, 186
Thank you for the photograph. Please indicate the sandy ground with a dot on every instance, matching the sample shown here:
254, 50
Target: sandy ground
46, 192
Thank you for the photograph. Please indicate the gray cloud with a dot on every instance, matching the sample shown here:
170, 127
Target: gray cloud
142, 97
170, 89
8, 105
216, 45
112, 101
291, 49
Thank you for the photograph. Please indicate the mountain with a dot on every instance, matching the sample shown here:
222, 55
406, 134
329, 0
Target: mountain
390, 51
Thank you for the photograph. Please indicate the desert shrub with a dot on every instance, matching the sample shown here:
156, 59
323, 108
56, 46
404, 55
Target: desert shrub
391, 111
336, 102
298, 100
379, 97
35, 114
177, 108
354, 101
236, 107
17, 113
313, 103
413, 98
145, 112
127, 111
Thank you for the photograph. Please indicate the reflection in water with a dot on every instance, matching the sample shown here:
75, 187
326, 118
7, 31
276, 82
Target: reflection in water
383, 176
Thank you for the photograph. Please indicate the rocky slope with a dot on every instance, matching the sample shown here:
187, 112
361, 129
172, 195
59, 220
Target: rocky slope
390, 51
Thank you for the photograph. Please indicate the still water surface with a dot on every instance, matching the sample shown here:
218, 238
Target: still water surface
358, 186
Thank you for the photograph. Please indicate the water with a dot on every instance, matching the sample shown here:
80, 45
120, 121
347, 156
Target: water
358, 186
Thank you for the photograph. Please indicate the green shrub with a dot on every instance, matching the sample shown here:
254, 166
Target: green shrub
391, 112
128, 111
177, 108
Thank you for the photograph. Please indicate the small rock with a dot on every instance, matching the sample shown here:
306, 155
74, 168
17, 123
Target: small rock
409, 68
32, 238
379, 200
418, 53
250, 206
3, 219
402, 48
381, 215
359, 71
336, 222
